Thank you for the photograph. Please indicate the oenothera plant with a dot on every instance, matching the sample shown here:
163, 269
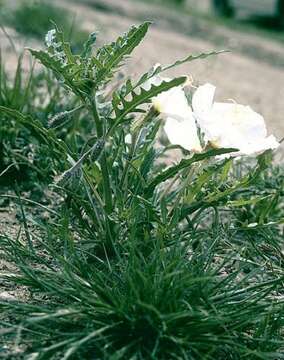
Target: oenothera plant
143, 261
120, 167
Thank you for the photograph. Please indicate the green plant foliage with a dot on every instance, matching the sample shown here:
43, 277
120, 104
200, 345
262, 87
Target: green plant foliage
21, 157
139, 259
111, 56
123, 107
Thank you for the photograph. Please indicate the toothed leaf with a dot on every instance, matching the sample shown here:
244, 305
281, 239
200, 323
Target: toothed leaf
185, 163
158, 69
111, 56
127, 106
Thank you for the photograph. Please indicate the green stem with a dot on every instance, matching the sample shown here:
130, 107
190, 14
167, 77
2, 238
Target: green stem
103, 160
131, 154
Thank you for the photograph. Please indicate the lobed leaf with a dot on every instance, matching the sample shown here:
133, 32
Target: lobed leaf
110, 56
185, 163
158, 69
123, 107
67, 67
218, 197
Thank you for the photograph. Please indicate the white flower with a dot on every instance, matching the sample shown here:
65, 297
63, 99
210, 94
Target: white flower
180, 126
230, 125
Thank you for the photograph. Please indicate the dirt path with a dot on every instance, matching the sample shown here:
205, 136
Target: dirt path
252, 74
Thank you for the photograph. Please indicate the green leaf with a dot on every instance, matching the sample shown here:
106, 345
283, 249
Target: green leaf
269, 224
190, 58
185, 163
72, 74
125, 107
154, 71
269, 205
68, 68
88, 45
110, 56
95, 151
223, 196
205, 177
243, 202
64, 46
53, 63
42, 134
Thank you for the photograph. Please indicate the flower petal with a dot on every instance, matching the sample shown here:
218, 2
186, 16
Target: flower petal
258, 147
202, 100
173, 103
183, 133
230, 125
